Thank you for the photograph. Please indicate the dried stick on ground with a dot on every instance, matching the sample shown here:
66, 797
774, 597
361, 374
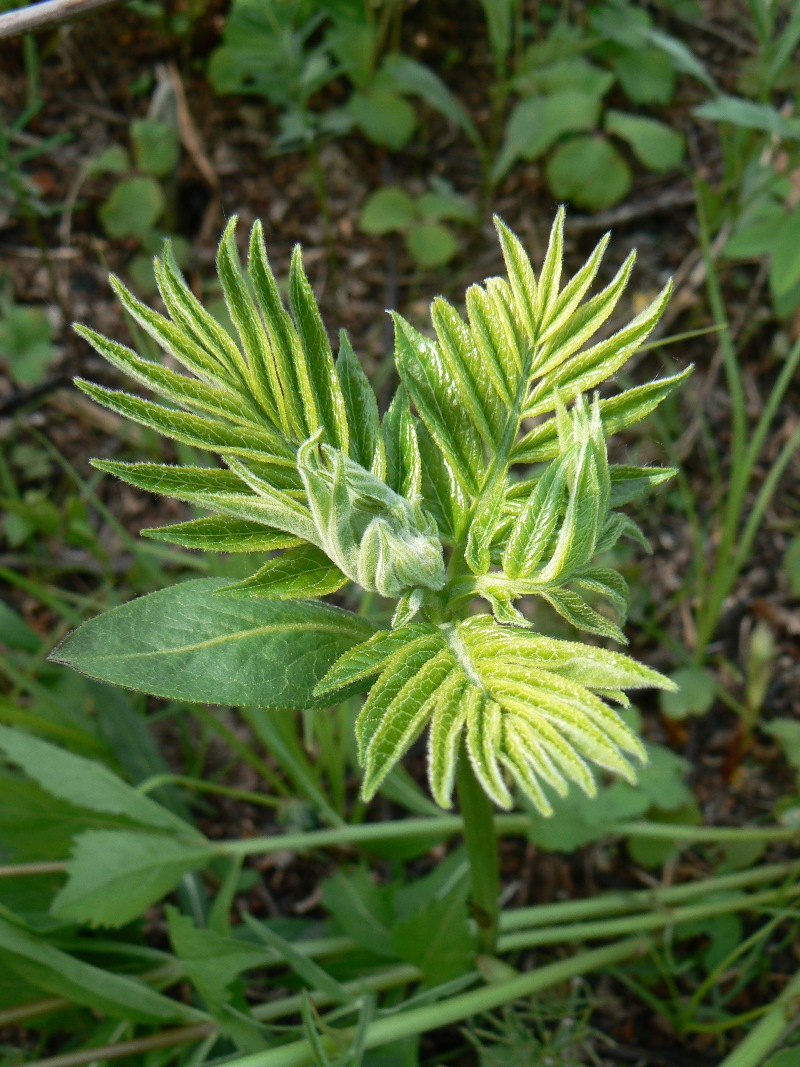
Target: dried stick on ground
40, 16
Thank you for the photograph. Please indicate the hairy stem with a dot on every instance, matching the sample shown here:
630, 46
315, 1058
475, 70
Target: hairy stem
480, 838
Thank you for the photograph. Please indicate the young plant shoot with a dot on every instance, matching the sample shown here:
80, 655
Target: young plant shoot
483, 490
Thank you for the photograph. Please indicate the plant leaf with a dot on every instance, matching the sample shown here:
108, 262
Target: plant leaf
83, 782
299, 572
114, 875
183, 642
62, 975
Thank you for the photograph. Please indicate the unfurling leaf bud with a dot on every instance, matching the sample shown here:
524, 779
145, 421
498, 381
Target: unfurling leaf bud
379, 539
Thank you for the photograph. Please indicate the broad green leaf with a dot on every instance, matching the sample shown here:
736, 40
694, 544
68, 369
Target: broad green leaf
538, 122
299, 572
386, 210
83, 782
133, 208
681, 57
500, 15
694, 693
654, 144
571, 73
62, 975
750, 115
37, 825
183, 642
645, 74
784, 272
366, 440
445, 203
787, 733
756, 232
384, 117
589, 172
431, 244
114, 875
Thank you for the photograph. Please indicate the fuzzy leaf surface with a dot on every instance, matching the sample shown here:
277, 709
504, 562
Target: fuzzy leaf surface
185, 643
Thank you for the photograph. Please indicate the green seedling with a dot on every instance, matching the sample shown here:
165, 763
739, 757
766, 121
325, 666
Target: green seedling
562, 118
138, 206
26, 342
422, 220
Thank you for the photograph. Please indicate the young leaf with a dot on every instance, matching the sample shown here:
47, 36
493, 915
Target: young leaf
319, 358
361, 407
299, 572
222, 534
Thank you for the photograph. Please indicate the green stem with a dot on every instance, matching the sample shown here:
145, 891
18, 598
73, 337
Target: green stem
643, 899
399, 975
442, 826
654, 831
433, 1016
636, 924
766, 1034
480, 838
